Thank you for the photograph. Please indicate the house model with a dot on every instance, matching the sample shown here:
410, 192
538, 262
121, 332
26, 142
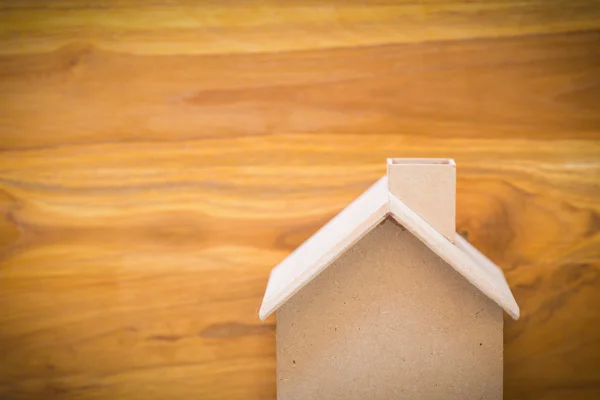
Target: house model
386, 301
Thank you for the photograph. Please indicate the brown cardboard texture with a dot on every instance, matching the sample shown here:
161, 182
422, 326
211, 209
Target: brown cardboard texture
389, 319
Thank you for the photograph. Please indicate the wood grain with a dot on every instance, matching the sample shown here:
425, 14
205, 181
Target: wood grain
158, 158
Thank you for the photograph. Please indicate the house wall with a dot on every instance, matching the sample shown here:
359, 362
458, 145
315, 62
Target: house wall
389, 319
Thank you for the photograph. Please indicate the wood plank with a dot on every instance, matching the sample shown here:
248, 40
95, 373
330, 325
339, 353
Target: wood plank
158, 159
257, 26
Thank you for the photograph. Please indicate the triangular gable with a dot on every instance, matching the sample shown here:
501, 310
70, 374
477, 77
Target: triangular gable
355, 221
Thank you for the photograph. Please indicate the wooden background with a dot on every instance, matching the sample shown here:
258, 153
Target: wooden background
157, 158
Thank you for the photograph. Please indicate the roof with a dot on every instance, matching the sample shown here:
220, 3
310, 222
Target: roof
355, 221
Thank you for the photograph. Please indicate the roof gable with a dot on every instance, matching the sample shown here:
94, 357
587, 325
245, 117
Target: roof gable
356, 220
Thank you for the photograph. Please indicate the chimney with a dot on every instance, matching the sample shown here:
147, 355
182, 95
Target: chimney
428, 187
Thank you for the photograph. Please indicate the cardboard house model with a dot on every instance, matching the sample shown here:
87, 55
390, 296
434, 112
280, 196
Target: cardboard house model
386, 301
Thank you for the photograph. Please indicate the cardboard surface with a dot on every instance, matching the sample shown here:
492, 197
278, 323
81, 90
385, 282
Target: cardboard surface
389, 319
